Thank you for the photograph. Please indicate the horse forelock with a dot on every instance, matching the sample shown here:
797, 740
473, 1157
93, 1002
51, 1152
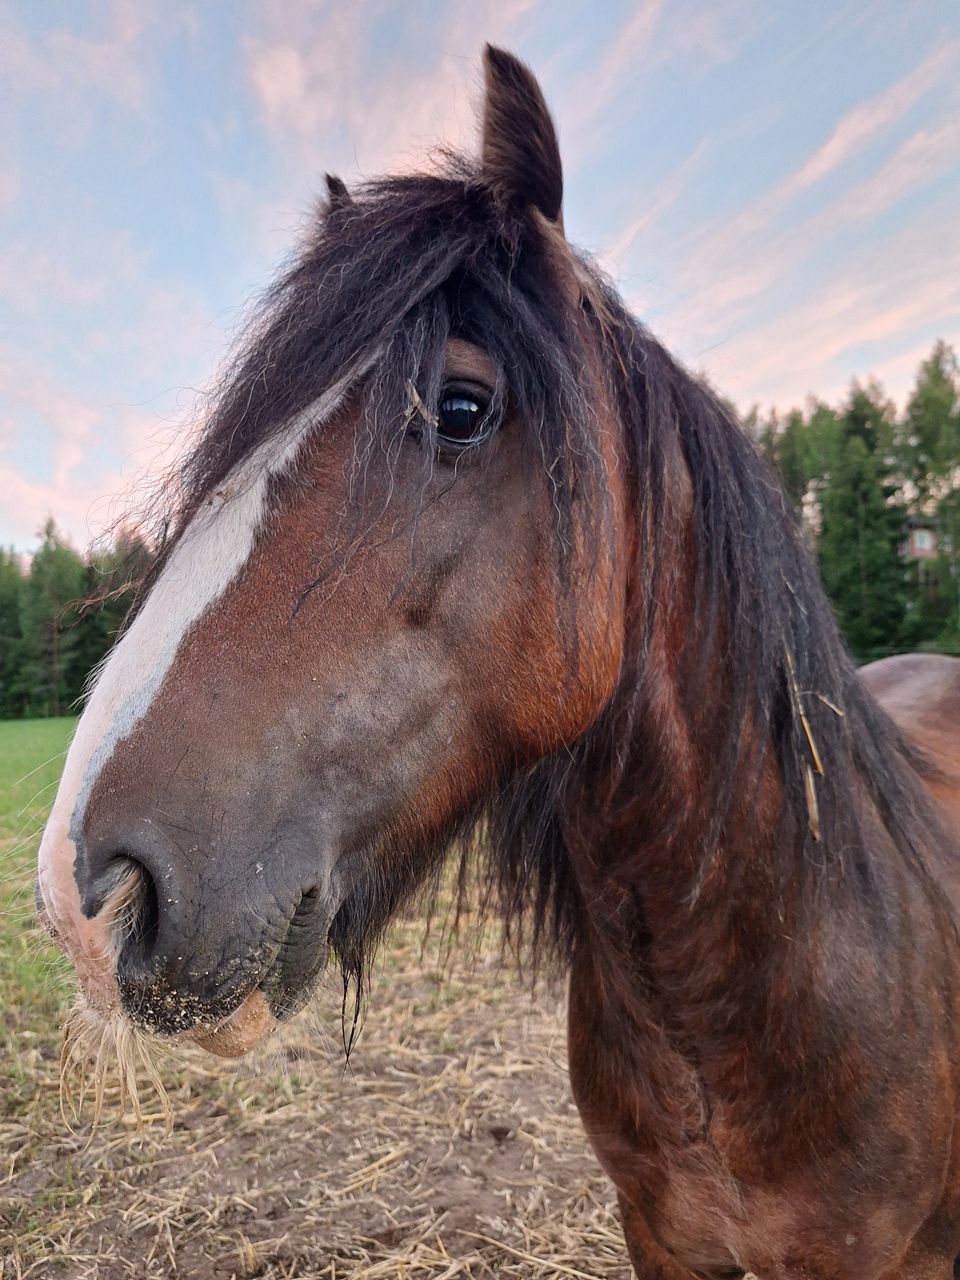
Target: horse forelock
405, 264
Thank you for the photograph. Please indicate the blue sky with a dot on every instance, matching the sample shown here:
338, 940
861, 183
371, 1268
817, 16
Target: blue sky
775, 186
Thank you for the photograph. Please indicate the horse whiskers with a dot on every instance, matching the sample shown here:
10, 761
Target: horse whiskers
97, 1047
101, 1048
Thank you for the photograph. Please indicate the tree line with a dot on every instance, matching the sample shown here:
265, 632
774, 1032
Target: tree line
880, 497
879, 494
59, 614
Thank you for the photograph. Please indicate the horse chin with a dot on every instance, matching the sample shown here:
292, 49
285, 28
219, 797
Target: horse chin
244, 1029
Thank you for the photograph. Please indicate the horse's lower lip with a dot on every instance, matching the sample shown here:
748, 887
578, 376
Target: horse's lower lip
241, 1031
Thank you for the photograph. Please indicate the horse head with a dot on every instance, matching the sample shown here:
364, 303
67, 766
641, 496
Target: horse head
363, 623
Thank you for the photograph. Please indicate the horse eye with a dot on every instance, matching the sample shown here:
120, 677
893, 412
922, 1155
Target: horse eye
462, 420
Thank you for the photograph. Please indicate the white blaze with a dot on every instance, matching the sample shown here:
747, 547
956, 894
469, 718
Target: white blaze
206, 560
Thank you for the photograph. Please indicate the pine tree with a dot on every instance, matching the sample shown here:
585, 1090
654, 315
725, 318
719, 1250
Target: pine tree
862, 527
929, 444
803, 452
48, 616
793, 456
930, 435
11, 644
825, 440
870, 416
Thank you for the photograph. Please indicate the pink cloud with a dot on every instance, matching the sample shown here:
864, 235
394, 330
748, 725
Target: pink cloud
722, 276
63, 76
870, 118
664, 197
318, 81
32, 275
82, 515
71, 419
626, 52
712, 33
802, 350
66, 66
652, 35
167, 333
144, 445
738, 255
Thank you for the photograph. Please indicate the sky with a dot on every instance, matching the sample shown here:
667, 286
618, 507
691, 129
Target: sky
773, 185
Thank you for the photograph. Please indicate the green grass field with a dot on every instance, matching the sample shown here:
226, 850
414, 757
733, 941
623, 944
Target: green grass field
31, 758
32, 975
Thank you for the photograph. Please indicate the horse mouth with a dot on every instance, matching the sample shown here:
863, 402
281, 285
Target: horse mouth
282, 990
238, 1033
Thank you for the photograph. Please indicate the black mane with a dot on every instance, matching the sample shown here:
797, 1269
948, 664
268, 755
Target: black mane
396, 270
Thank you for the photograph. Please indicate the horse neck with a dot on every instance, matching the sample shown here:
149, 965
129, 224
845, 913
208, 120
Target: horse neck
675, 904
657, 842
714, 935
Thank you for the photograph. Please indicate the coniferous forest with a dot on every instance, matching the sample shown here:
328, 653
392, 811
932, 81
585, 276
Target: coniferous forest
878, 490
59, 614
880, 497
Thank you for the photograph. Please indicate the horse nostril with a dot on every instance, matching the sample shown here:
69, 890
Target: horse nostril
144, 922
129, 903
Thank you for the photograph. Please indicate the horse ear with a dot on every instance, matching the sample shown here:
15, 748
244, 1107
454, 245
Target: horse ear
520, 157
338, 197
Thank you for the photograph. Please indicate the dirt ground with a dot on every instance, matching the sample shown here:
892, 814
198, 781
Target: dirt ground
448, 1147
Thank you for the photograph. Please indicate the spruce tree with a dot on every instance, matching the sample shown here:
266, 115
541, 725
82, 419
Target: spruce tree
49, 611
11, 644
930, 435
929, 444
862, 529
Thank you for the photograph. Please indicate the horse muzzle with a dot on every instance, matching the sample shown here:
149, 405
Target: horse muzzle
165, 936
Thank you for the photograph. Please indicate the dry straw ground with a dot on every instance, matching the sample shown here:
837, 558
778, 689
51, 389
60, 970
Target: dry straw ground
449, 1147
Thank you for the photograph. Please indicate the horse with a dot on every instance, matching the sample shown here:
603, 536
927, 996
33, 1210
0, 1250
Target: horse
461, 556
